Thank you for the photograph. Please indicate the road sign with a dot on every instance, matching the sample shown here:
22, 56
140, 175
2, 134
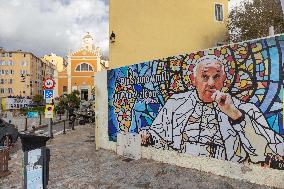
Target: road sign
48, 100
32, 114
49, 111
49, 83
48, 93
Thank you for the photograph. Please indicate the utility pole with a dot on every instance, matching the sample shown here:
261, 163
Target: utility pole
49, 84
26, 123
50, 128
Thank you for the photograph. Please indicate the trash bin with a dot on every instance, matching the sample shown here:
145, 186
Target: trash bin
36, 160
4, 157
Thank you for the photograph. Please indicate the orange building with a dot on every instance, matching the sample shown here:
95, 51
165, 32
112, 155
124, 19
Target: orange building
80, 70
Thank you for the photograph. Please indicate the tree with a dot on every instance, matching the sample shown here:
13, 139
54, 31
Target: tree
73, 100
37, 99
93, 92
252, 19
62, 105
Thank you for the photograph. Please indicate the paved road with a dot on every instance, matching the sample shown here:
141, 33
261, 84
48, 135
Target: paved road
76, 164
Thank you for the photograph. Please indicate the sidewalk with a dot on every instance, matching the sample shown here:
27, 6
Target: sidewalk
75, 164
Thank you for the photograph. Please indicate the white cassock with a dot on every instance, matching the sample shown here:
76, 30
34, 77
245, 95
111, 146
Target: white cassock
188, 125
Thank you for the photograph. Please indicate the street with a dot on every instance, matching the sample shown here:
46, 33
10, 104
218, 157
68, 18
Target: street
74, 163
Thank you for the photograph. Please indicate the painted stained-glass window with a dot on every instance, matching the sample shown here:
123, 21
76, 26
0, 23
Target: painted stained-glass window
254, 73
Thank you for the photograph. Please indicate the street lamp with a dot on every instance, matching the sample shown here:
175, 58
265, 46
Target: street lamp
112, 37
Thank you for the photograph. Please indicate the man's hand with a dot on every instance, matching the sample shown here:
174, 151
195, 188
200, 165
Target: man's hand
226, 105
145, 136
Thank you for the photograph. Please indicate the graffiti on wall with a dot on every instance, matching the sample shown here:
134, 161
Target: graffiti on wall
224, 102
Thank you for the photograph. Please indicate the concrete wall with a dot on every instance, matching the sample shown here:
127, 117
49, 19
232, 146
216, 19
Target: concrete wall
101, 109
252, 173
249, 74
150, 29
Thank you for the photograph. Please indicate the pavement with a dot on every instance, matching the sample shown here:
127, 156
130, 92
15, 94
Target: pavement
75, 164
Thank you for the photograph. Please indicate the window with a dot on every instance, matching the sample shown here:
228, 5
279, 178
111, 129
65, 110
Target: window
11, 81
2, 81
84, 67
24, 72
2, 90
64, 89
10, 63
10, 90
24, 63
219, 16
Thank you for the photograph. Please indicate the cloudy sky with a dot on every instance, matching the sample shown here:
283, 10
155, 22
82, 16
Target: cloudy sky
45, 26
233, 3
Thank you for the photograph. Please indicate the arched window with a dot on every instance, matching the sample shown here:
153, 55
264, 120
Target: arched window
84, 67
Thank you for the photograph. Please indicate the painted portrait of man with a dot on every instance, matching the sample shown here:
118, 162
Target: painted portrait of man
207, 121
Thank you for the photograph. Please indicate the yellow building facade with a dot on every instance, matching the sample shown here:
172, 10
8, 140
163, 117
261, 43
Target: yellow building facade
59, 63
22, 73
143, 30
81, 68
56, 60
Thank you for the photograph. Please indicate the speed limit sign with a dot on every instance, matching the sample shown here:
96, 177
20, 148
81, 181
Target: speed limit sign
49, 83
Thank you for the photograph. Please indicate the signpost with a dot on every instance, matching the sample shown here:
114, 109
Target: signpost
49, 111
48, 93
49, 85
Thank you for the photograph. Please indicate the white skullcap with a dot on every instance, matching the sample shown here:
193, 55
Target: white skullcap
207, 59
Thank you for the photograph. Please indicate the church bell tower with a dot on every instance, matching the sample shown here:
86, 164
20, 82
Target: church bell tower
87, 42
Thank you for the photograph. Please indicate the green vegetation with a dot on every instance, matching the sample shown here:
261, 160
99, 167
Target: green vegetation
68, 102
37, 99
252, 19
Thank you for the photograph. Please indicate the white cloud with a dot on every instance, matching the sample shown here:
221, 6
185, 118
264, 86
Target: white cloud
42, 26
282, 4
234, 3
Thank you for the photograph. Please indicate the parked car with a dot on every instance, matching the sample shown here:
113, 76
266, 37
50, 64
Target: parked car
8, 133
